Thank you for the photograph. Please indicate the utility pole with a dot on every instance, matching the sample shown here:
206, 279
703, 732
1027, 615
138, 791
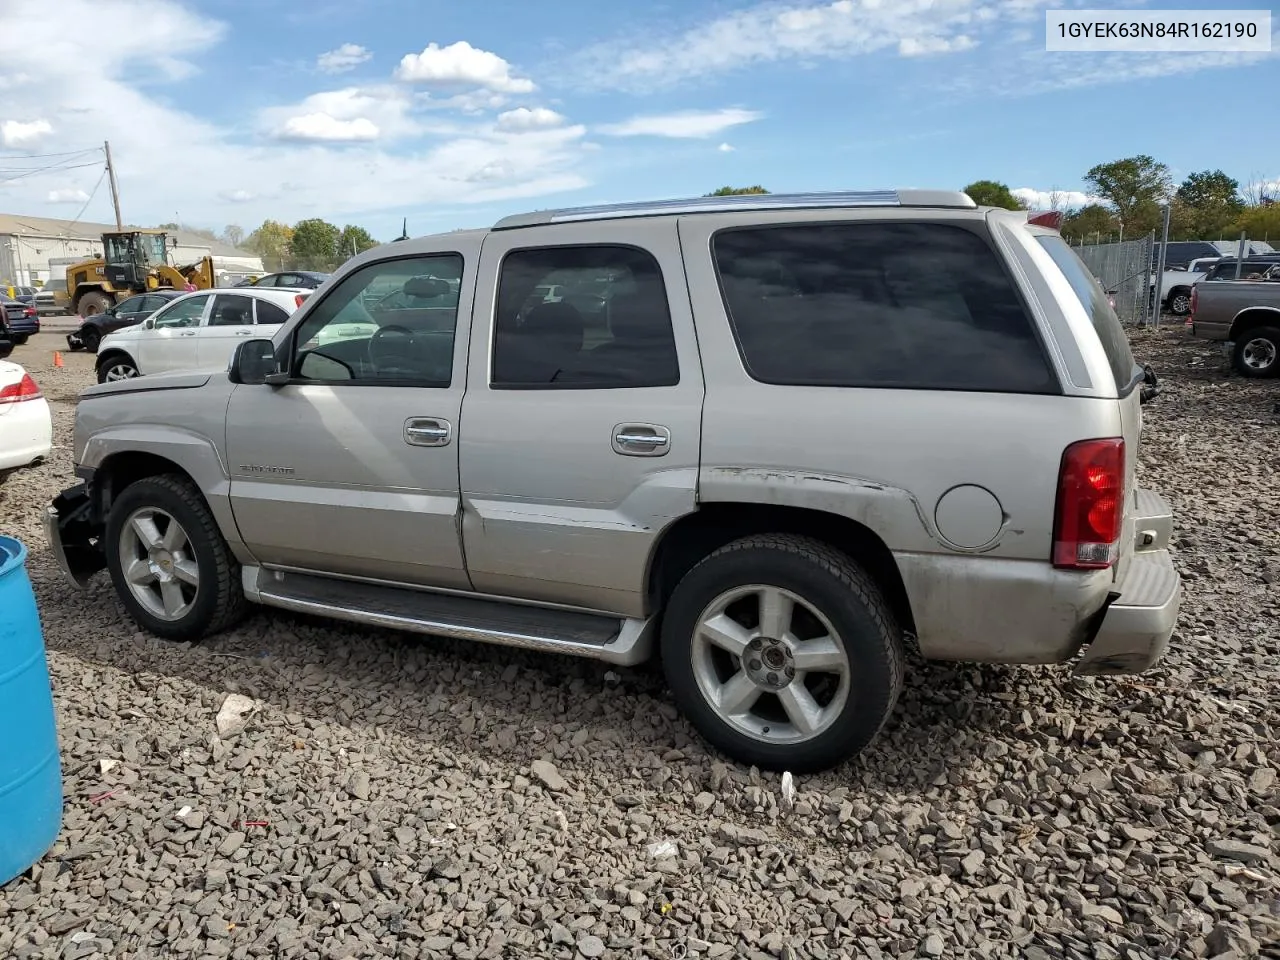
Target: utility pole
115, 190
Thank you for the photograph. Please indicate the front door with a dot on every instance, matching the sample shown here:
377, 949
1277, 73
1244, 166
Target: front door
581, 422
351, 468
230, 320
172, 343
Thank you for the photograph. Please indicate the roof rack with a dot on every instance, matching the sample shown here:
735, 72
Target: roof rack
752, 201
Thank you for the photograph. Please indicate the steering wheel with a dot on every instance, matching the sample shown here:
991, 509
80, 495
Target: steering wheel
386, 352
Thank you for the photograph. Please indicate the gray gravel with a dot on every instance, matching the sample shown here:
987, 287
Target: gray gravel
392, 796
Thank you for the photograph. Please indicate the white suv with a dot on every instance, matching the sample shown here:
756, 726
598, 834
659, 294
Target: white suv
195, 331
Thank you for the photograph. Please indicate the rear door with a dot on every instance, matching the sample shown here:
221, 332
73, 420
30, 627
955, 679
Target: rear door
172, 343
582, 417
230, 320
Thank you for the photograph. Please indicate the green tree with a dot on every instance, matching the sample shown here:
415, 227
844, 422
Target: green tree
354, 240
735, 191
1090, 222
1135, 186
315, 244
1206, 204
993, 193
271, 242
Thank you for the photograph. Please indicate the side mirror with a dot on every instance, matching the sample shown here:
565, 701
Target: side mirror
149, 323
254, 361
6, 348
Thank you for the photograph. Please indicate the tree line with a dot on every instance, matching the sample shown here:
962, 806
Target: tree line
312, 244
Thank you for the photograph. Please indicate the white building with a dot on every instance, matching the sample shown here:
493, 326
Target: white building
28, 244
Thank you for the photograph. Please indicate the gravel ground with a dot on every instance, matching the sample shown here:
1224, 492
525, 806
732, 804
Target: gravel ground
399, 797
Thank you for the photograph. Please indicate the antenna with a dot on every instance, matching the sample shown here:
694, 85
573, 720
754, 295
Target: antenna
404, 231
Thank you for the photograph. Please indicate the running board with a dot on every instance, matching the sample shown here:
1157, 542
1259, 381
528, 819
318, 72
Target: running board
617, 640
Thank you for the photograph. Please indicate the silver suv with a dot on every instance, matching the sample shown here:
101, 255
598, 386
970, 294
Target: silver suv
775, 438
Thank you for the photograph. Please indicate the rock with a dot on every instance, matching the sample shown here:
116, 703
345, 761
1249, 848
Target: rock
358, 785
934, 945
231, 843
703, 802
217, 928
545, 772
1236, 850
972, 864
234, 714
1101, 911
215, 879
1137, 834
591, 946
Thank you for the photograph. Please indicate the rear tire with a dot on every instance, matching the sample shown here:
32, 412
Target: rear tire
1257, 353
20, 338
117, 366
1180, 302
92, 304
89, 339
179, 584
813, 684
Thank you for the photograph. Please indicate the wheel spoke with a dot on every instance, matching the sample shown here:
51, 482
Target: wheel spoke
147, 531
820, 655
775, 613
175, 538
802, 710
726, 633
187, 571
139, 571
171, 595
737, 695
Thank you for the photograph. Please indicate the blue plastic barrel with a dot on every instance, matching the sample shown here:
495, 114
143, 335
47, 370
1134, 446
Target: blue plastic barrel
30, 768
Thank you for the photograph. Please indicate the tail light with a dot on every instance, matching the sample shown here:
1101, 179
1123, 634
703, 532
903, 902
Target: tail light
1090, 510
1195, 302
24, 389
29, 312
298, 299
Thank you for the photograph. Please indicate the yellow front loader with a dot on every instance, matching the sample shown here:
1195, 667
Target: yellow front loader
133, 261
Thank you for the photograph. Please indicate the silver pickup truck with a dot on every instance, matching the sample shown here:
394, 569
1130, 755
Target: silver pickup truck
1246, 315
771, 439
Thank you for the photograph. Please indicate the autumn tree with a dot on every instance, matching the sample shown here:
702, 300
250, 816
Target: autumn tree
1090, 222
736, 191
993, 193
271, 242
1135, 187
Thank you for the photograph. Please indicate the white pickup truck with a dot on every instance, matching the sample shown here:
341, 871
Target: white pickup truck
1175, 285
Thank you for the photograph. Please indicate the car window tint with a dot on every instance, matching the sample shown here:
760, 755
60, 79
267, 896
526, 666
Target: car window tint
905, 305
183, 313
269, 312
582, 317
388, 322
1094, 300
231, 310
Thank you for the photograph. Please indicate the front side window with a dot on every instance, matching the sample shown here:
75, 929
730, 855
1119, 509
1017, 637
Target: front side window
182, 313
891, 305
388, 322
582, 317
231, 310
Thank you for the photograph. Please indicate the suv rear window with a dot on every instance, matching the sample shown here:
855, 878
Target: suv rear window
897, 305
1094, 300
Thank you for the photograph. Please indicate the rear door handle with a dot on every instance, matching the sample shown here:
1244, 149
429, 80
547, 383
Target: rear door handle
641, 440
188, 333
427, 432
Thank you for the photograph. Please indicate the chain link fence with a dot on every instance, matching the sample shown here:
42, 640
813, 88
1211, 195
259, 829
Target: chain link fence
1124, 270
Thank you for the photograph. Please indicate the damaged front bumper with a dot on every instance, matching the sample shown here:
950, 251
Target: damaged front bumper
75, 534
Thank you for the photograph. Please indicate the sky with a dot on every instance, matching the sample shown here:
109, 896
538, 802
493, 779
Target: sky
455, 114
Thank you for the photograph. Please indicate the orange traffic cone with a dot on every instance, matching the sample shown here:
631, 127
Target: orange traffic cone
57, 359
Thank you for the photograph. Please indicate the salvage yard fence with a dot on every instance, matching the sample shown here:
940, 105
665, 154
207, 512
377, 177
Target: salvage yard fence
1124, 270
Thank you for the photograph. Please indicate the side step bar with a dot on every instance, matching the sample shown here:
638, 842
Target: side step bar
616, 640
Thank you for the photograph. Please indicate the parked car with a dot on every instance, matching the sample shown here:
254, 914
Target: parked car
1179, 253
124, 314
193, 331
1251, 268
1245, 316
1176, 284
25, 295
299, 279
52, 297
20, 318
797, 432
26, 426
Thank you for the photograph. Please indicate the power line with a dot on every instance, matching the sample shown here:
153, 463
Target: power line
56, 167
46, 156
93, 194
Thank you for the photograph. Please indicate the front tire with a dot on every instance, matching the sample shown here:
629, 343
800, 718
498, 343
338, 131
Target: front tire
117, 366
1257, 353
783, 653
169, 563
92, 304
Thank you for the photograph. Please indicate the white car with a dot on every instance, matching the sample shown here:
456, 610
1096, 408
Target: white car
196, 331
26, 427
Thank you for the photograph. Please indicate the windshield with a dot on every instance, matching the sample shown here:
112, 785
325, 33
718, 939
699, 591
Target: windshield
1094, 300
151, 245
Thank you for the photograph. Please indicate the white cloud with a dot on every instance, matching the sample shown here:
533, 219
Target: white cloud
67, 195
929, 46
725, 148
461, 64
427, 155
322, 126
523, 118
20, 133
691, 124
1054, 199
344, 58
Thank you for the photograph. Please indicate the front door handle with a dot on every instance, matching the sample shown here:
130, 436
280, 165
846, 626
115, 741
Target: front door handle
427, 432
641, 440
243, 333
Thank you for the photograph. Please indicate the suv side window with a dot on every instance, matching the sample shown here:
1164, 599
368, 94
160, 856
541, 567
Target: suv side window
360, 332
896, 305
182, 313
269, 312
231, 310
582, 317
